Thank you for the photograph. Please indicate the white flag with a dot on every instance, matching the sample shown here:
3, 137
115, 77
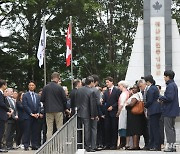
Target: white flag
42, 46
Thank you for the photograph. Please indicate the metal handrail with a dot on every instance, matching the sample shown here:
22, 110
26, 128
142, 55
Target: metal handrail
63, 141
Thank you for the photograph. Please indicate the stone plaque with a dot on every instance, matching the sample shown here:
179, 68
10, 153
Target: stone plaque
157, 8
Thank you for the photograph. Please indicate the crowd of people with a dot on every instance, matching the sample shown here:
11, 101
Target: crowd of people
28, 119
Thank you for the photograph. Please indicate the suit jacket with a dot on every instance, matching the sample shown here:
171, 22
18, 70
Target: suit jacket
111, 100
54, 98
72, 97
3, 108
29, 106
170, 100
152, 105
20, 110
98, 95
86, 103
12, 105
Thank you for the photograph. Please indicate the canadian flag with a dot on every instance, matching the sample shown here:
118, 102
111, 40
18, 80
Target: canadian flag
69, 46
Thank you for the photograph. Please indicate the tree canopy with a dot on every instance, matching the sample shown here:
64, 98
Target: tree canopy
102, 31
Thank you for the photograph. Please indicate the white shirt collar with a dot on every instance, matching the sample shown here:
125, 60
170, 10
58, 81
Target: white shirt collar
111, 88
31, 92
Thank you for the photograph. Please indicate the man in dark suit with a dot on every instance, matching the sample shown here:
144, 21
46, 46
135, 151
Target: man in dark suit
98, 103
42, 127
143, 87
110, 98
76, 85
154, 113
4, 112
12, 121
54, 99
31, 104
87, 110
73, 101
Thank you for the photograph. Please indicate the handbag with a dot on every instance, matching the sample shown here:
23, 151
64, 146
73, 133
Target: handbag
138, 108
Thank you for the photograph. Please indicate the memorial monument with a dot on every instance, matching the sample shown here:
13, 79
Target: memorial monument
156, 44
156, 47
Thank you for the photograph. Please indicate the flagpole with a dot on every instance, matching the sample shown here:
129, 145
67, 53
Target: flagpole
72, 77
44, 52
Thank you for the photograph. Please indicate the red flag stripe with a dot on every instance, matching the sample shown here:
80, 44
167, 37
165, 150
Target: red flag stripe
68, 45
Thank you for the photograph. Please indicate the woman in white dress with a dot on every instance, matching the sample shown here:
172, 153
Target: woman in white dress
122, 112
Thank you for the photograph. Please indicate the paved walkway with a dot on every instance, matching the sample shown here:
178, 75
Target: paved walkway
20, 152
105, 152
131, 152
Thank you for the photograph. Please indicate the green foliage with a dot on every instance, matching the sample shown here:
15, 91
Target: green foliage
103, 32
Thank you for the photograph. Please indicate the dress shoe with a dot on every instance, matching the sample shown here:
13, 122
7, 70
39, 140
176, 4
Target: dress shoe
34, 148
90, 150
26, 148
98, 149
170, 150
127, 147
9, 148
134, 148
113, 148
12, 148
3, 151
106, 148
145, 148
155, 149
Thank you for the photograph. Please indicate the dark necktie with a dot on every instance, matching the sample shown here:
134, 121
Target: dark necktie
109, 92
144, 95
33, 99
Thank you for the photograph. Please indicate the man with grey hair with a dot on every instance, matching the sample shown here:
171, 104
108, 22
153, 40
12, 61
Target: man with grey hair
54, 100
143, 87
12, 121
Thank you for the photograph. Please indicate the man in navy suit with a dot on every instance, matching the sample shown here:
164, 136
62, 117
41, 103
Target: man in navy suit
110, 98
31, 104
154, 113
4, 111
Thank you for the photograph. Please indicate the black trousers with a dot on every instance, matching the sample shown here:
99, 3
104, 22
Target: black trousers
42, 127
154, 131
2, 126
79, 133
20, 130
100, 132
111, 131
146, 132
31, 132
161, 125
11, 128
